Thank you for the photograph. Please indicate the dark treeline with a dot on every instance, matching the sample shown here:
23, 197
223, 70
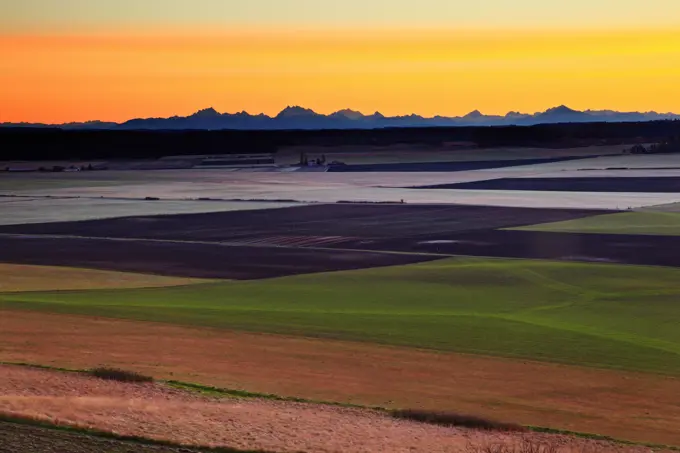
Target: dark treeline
53, 143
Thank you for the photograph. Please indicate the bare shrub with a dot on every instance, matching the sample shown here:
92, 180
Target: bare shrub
115, 374
453, 419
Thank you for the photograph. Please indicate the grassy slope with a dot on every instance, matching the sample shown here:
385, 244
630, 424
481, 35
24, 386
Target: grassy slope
18, 278
653, 223
598, 315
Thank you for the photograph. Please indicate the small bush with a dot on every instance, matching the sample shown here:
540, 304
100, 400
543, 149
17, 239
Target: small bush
115, 374
453, 419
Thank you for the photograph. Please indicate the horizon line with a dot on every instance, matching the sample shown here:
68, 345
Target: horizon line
331, 112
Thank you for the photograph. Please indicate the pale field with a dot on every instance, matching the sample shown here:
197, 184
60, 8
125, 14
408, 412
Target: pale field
15, 211
634, 173
183, 185
672, 207
17, 278
29, 165
327, 193
319, 188
100, 183
154, 411
626, 405
629, 161
13, 182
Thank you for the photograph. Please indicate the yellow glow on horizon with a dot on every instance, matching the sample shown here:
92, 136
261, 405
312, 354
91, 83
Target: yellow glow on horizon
59, 78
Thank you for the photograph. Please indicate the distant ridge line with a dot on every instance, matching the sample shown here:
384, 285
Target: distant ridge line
296, 117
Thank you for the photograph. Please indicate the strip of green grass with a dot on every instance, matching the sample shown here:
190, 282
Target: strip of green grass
609, 316
646, 223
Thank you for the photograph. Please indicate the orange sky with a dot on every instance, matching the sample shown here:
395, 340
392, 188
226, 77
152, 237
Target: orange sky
58, 77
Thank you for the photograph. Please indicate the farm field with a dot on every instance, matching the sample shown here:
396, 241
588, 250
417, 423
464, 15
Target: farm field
642, 222
575, 184
315, 187
615, 403
18, 182
655, 250
584, 314
320, 238
190, 259
16, 437
448, 152
17, 278
21, 211
614, 163
307, 190
442, 166
670, 207
162, 412
343, 221
543, 308
616, 173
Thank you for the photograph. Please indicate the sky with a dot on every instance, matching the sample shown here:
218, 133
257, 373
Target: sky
77, 60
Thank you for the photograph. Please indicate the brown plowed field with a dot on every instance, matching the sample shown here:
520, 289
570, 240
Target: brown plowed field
625, 405
270, 243
587, 247
626, 184
308, 239
372, 221
157, 412
189, 259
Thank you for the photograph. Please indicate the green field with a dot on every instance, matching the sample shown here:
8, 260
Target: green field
612, 316
651, 223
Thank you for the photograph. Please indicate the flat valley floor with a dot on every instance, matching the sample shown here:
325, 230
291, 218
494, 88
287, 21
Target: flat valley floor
556, 309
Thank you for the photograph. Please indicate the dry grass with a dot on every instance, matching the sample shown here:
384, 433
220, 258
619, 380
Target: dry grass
631, 406
157, 412
18, 278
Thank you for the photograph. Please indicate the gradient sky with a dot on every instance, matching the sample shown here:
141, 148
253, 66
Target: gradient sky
73, 60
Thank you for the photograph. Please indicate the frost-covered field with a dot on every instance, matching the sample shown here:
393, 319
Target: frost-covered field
121, 193
15, 211
309, 191
629, 164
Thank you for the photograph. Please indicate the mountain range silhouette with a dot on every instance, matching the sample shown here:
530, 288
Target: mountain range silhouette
296, 117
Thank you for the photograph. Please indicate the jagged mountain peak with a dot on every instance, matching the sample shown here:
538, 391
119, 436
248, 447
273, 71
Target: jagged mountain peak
561, 110
206, 113
296, 111
296, 117
348, 113
474, 114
